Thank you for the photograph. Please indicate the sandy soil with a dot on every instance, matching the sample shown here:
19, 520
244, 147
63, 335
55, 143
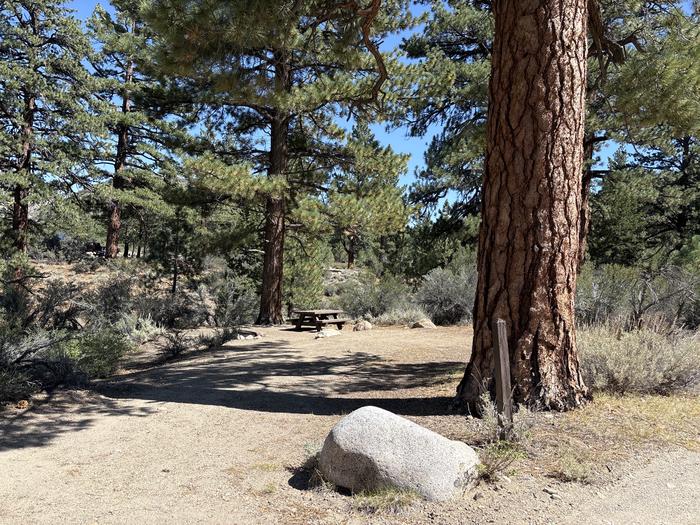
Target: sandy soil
219, 436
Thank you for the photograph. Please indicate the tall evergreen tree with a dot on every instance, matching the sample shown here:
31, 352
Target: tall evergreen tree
43, 121
531, 198
648, 202
142, 120
447, 87
364, 200
281, 70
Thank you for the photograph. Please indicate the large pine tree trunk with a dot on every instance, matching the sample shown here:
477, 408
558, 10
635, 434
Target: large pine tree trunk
275, 209
350, 247
114, 226
529, 237
271, 294
20, 208
114, 223
20, 219
351, 255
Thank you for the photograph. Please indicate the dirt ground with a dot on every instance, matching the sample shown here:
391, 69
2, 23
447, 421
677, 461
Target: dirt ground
219, 437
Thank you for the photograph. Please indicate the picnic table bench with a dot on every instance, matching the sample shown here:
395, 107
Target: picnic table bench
318, 318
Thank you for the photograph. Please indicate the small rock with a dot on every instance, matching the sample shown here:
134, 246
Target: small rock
550, 491
555, 496
327, 332
372, 449
423, 323
478, 496
22, 404
361, 326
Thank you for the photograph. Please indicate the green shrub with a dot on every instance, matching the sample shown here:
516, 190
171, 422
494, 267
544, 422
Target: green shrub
181, 310
137, 330
97, 353
405, 315
371, 297
642, 361
602, 293
497, 458
176, 342
448, 295
112, 299
14, 384
236, 302
633, 295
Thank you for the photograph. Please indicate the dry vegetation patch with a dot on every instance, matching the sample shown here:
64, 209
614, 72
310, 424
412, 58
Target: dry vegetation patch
587, 445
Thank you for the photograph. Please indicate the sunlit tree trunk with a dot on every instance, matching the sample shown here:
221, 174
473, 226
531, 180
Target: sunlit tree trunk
531, 208
275, 208
118, 181
20, 208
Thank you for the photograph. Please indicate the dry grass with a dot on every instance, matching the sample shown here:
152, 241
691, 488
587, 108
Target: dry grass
570, 468
497, 460
384, 501
584, 445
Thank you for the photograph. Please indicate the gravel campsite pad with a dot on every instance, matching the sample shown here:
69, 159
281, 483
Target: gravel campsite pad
221, 436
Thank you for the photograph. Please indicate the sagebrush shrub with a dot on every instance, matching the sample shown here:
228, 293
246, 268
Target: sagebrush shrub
613, 292
448, 295
112, 299
236, 302
136, 329
97, 353
642, 361
405, 315
371, 297
176, 342
15, 385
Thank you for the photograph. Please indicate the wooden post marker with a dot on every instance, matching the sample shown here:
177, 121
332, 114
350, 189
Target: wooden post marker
504, 399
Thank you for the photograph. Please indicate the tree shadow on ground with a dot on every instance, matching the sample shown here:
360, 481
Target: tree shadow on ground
264, 376
56, 415
271, 376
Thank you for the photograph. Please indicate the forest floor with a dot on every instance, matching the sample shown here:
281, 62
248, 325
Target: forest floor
220, 436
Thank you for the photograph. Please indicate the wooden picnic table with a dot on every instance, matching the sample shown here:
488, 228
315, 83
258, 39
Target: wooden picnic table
318, 318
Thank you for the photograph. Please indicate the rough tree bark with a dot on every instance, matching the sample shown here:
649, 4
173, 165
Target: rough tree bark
275, 208
351, 254
119, 182
20, 208
529, 236
350, 247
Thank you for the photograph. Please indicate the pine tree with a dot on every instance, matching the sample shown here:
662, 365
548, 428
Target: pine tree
280, 70
43, 121
364, 200
448, 87
143, 122
648, 203
529, 235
